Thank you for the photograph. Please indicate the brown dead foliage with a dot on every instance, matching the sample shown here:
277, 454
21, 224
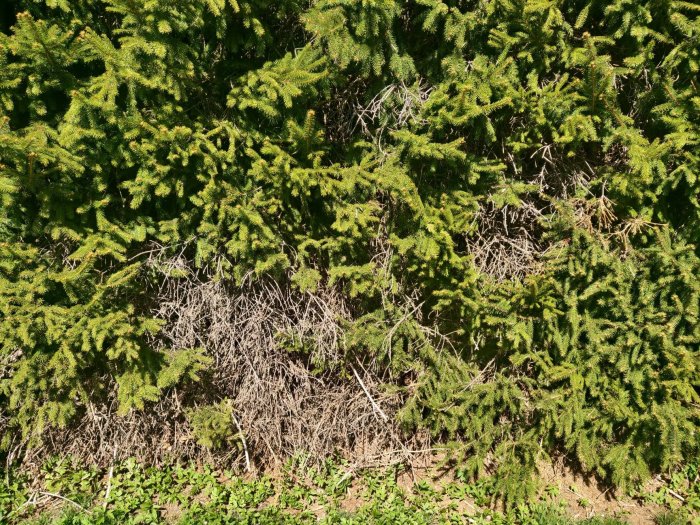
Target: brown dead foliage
277, 356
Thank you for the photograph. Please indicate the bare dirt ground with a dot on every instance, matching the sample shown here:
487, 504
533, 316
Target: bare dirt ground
585, 498
582, 496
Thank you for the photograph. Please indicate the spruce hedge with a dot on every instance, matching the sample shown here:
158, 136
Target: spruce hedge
504, 193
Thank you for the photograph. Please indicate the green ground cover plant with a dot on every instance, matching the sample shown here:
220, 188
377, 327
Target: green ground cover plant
301, 495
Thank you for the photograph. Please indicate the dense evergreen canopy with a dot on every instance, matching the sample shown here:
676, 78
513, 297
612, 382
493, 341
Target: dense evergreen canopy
505, 193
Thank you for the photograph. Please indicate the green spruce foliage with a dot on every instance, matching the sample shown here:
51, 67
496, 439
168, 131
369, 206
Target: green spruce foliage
526, 172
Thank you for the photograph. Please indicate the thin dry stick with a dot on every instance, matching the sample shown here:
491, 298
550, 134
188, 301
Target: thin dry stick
30, 501
54, 495
245, 445
387, 339
676, 495
109, 478
374, 404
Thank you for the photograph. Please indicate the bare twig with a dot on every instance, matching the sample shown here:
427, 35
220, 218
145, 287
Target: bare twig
58, 496
109, 478
376, 407
243, 441
676, 495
